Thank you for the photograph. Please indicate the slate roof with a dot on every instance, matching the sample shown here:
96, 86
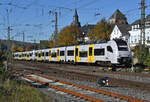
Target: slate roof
87, 28
148, 17
118, 15
139, 20
136, 22
124, 28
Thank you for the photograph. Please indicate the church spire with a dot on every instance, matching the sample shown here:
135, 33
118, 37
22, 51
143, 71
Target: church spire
76, 19
76, 16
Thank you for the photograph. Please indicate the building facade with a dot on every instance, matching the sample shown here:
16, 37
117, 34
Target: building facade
135, 32
118, 18
120, 32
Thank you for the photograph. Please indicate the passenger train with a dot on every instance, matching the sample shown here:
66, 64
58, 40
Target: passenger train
112, 53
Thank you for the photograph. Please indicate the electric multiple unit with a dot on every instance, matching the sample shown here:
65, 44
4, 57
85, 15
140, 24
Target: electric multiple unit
114, 52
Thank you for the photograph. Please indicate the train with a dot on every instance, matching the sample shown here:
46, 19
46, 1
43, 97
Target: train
110, 53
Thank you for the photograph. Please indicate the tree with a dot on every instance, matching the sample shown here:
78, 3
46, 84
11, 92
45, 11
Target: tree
13, 48
28, 48
2, 58
51, 44
44, 44
20, 49
102, 30
68, 36
147, 60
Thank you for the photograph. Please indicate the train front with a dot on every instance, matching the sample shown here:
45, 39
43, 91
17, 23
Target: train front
124, 57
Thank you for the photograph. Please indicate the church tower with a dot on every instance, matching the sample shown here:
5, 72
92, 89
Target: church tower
118, 18
76, 20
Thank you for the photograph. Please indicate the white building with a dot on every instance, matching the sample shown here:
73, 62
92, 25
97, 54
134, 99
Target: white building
120, 32
131, 33
135, 32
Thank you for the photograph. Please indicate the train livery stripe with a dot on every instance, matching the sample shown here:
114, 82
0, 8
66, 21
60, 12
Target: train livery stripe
50, 54
58, 54
76, 54
90, 53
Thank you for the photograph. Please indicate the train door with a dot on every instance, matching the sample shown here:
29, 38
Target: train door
110, 54
50, 55
58, 55
41, 55
90, 53
44, 57
76, 54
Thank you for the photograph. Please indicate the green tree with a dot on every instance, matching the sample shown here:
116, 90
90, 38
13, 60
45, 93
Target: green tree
147, 60
137, 53
68, 36
2, 58
102, 30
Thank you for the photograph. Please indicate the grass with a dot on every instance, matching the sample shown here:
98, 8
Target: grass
11, 91
133, 84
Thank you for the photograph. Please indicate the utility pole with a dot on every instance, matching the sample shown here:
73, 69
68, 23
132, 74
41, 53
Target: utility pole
23, 37
9, 44
55, 34
56, 25
142, 35
8, 39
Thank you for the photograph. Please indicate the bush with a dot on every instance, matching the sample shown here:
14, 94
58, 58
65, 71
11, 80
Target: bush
147, 60
10, 91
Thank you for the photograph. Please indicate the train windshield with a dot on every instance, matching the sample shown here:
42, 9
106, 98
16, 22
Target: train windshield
122, 45
122, 48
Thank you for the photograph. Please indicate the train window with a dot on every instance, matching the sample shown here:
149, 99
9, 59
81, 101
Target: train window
98, 52
83, 53
70, 53
62, 53
42, 53
77, 49
30, 54
122, 48
39, 55
109, 49
53, 54
35, 54
90, 51
50, 53
58, 52
46, 53
120, 42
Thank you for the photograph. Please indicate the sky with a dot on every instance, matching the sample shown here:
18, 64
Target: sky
33, 17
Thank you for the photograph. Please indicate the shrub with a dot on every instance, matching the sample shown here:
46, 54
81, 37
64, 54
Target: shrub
10, 91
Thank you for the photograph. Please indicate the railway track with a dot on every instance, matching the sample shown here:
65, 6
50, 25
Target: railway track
87, 93
92, 77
